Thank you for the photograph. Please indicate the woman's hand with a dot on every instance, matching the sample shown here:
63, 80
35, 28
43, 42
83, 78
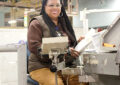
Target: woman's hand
80, 38
73, 52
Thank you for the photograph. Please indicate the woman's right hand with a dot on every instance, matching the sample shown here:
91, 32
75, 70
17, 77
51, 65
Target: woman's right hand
74, 53
81, 38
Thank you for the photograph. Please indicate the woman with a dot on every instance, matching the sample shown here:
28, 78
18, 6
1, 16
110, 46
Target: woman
52, 22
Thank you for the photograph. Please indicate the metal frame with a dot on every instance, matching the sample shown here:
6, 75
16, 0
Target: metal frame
84, 13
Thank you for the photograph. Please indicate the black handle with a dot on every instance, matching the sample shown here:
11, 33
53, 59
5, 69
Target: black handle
53, 68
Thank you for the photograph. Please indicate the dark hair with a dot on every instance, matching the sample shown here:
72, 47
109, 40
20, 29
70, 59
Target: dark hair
63, 18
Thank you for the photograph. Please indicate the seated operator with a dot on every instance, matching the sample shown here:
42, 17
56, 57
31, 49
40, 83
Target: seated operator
52, 22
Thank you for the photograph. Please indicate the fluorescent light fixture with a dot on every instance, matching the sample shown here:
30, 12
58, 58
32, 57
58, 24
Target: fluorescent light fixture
12, 21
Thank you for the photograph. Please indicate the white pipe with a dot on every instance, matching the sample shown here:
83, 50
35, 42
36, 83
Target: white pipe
8, 48
101, 10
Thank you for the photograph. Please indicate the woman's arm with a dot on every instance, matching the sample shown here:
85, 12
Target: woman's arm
34, 36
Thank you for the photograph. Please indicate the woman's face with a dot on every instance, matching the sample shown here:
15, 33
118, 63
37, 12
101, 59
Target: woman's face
53, 8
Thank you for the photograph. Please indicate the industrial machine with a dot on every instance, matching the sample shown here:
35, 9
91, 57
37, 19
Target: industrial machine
100, 66
104, 64
55, 47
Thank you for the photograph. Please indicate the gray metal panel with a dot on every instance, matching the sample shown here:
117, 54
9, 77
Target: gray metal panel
106, 64
13, 59
22, 65
113, 35
107, 80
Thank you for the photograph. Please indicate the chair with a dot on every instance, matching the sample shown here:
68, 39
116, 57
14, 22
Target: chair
30, 81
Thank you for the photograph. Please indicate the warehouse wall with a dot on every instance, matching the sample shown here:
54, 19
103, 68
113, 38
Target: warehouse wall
97, 19
1, 19
17, 36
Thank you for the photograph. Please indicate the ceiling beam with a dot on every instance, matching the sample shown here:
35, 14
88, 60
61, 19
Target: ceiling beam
19, 5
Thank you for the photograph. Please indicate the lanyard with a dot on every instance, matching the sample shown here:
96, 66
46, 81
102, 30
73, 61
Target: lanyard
56, 28
58, 33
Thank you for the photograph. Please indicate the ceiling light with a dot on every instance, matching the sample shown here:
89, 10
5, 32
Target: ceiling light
12, 21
